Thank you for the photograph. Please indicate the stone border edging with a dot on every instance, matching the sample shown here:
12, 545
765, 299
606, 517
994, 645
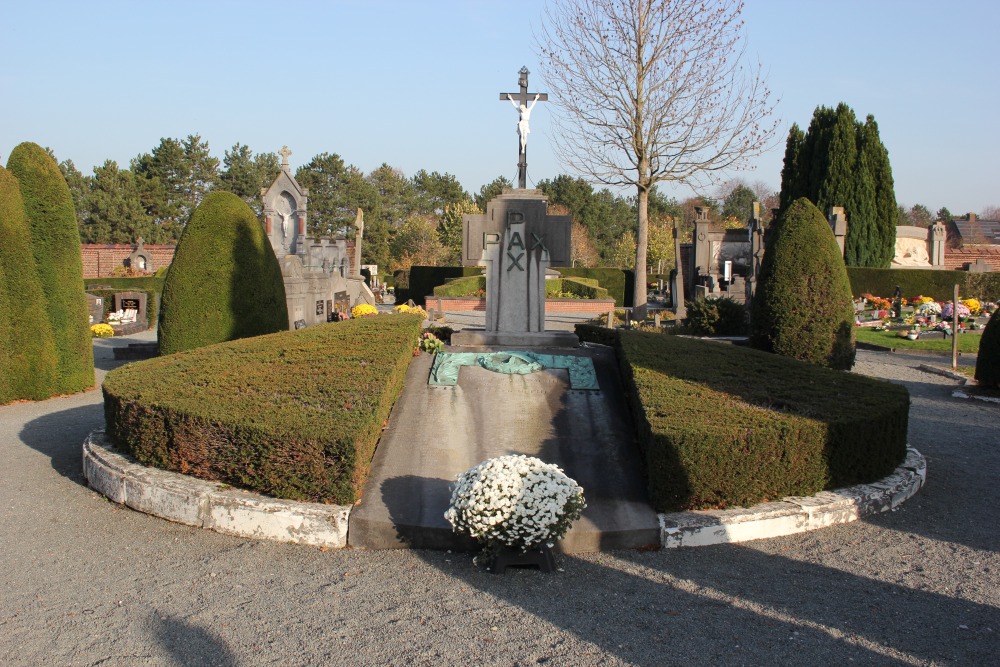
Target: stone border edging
795, 514
212, 506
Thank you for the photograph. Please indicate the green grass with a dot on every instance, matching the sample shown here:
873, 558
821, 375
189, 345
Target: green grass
968, 343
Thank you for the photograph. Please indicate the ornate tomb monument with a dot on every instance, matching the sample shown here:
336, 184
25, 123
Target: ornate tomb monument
516, 241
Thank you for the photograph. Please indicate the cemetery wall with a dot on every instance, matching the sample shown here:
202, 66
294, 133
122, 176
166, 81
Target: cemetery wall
101, 260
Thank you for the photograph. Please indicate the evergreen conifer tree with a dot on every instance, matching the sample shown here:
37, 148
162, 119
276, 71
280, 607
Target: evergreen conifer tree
27, 350
841, 162
55, 245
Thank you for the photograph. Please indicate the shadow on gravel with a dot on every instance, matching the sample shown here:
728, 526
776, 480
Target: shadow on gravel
189, 644
60, 436
732, 605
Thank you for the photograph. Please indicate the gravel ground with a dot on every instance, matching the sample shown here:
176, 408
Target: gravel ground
86, 582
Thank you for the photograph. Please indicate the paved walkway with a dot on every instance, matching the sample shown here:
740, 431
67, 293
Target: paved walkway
85, 582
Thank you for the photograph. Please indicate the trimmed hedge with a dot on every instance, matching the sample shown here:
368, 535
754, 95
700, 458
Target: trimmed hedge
938, 285
581, 288
721, 425
461, 286
28, 362
224, 283
611, 279
293, 415
718, 316
988, 359
55, 245
423, 279
803, 306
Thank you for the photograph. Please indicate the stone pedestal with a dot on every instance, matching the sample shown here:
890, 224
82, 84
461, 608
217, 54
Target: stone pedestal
516, 240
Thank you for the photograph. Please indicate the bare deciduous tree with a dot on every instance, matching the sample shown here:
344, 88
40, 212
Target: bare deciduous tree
652, 90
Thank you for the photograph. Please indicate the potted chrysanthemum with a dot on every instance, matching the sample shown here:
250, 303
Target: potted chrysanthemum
515, 506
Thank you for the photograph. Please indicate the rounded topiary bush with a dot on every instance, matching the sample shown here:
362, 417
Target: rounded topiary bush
224, 283
803, 307
27, 350
55, 246
988, 360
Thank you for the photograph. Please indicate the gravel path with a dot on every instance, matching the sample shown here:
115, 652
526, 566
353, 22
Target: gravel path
85, 582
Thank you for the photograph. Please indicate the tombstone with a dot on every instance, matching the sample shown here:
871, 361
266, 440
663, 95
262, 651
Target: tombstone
516, 240
939, 234
838, 223
140, 259
132, 305
979, 266
95, 306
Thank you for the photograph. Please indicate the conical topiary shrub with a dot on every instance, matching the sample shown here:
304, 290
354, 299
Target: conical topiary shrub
27, 351
55, 246
803, 306
224, 283
988, 360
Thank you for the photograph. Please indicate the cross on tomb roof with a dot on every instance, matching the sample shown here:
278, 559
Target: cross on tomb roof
284, 153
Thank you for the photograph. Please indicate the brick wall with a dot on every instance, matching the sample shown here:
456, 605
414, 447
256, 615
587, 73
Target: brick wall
958, 259
100, 260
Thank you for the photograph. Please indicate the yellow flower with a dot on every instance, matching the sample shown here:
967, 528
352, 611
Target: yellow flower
363, 310
973, 305
102, 330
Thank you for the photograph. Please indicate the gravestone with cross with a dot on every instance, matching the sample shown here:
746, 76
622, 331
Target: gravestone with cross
516, 240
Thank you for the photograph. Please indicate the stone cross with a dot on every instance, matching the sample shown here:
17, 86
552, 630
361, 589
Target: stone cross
284, 153
523, 97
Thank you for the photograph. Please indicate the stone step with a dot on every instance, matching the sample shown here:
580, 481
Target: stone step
436, 433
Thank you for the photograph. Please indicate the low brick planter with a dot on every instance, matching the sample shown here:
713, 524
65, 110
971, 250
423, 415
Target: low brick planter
464, 303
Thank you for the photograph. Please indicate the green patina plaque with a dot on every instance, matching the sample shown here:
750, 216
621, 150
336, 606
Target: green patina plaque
444, 372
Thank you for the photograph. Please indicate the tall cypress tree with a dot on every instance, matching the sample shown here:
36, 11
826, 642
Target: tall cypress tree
841, 162
791, 186
55, 244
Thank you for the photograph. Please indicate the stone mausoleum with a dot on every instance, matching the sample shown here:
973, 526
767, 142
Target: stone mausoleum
322, 275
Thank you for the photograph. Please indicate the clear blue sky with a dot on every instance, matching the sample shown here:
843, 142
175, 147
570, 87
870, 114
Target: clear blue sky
415, 83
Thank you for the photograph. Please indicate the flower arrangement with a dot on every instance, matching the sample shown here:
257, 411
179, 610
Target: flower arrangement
515, 501
363, 310
415, 310
876, 302
428, 342
401, 308
929, 308
973, 305
948, 310
102, 330
923, 299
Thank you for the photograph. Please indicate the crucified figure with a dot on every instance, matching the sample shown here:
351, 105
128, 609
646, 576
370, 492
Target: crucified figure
524, 115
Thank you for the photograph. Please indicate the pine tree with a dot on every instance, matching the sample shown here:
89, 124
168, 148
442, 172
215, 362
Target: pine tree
791, 186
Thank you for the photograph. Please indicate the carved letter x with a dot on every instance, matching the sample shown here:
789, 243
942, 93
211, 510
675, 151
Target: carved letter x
537, 242
515, 261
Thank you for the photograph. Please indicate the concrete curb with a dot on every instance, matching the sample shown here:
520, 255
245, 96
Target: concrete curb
212, 506
209, 505
795, 514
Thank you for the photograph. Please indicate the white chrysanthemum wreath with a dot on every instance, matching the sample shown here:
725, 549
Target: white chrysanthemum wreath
515, 501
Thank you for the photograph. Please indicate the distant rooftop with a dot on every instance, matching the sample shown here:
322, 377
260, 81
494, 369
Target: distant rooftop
977, 231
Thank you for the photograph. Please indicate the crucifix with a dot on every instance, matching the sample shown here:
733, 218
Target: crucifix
520, 101
284, 153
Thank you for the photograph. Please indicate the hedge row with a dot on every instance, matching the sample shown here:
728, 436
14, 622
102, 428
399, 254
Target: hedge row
583, 288
611, 279
721, 425
939, 285
294, 415
55, 244
464, 286
422, 280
